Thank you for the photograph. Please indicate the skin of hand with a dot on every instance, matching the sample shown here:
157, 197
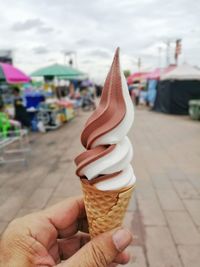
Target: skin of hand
58, 236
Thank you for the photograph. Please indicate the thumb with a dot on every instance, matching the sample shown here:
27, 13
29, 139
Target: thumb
102, 250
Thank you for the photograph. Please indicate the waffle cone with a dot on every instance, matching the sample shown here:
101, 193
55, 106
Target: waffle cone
105, 209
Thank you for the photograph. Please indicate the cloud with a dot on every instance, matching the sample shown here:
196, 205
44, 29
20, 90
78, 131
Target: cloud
84, 42
27, 25
87, 61
95, 28
30, 24
45, 29
40, 50
99, 53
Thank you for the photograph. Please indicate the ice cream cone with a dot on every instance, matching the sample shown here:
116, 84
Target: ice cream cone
105, 209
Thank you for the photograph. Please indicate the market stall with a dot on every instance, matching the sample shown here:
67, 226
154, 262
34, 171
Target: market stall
61, 106
176, 88
11, 132
53, 113
153, 78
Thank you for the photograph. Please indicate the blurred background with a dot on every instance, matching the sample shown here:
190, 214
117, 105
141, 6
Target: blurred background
54, 58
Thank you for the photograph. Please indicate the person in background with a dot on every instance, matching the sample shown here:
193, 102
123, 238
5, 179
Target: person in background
21, 114
72, 93
92, 91
136, 93
99, 89
87, 100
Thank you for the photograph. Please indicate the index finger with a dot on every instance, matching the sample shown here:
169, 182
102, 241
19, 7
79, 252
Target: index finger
66, 212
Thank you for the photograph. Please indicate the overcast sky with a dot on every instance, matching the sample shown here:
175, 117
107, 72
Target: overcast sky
40, 31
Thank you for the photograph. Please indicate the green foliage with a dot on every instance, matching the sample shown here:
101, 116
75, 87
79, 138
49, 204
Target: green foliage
127, 73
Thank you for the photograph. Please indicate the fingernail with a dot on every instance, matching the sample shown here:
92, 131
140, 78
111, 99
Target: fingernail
121, 239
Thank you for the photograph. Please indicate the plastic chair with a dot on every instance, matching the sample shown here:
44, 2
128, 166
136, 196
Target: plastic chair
4, 124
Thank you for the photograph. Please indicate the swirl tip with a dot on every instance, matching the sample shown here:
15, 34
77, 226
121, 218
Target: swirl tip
117, 52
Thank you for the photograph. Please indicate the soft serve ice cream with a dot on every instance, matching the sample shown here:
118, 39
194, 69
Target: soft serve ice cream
106, 162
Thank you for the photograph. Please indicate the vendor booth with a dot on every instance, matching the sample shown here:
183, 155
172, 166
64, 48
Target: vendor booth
14, 144
153, 78
60, 107
176, 88
53, 113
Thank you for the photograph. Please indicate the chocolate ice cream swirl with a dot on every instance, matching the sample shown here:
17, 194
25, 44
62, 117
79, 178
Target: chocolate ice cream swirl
106, 163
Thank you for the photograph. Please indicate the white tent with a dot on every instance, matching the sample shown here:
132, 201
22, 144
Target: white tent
182, 72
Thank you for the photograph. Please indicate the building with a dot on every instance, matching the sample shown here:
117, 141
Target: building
6, 56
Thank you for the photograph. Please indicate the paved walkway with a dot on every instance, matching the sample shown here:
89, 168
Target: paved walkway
164, 213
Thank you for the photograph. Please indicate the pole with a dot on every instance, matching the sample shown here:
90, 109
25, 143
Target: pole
176, 60
65, 58
168, 53
139, 64
177, 50
159, 56
75, 56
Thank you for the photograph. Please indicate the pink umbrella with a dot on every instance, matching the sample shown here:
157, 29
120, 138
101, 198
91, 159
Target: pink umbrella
12, 74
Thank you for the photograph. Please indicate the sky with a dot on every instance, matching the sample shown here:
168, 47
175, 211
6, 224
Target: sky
41, 32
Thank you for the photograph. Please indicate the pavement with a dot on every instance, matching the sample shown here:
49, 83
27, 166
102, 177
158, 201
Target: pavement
164, 213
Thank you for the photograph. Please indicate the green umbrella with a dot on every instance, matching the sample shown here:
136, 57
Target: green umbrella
58, 70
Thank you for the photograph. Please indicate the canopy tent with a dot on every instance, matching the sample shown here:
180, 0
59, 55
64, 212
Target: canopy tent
137, 76
153, 78
176, 89
152, 75
12, 75
157, 73
59, 71
182, 72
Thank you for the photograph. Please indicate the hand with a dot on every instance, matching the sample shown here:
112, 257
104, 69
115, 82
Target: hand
46, 238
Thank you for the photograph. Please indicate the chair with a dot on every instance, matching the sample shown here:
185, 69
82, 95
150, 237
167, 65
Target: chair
4, 124
14, 146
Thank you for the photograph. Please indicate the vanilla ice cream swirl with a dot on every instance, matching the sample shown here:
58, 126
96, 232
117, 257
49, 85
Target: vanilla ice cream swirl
106, 162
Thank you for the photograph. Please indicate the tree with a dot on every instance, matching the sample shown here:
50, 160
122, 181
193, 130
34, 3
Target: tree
127, 73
